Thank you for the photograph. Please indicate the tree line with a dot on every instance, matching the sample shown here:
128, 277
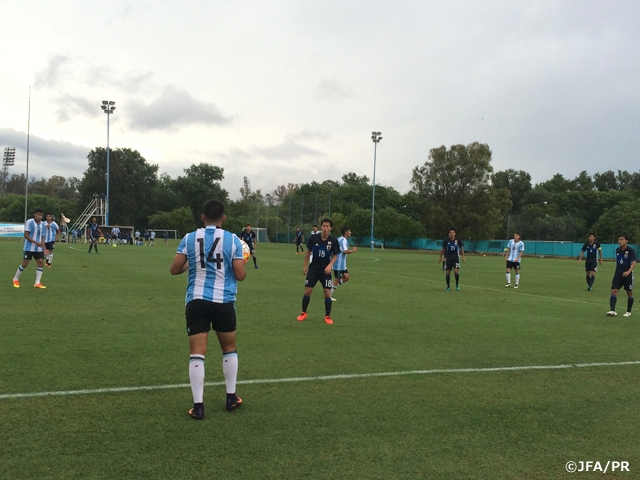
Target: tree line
455, 186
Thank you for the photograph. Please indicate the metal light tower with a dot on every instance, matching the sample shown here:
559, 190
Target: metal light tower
8, 160
108, 108
375, 137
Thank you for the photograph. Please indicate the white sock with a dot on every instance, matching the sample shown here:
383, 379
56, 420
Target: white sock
230, 370
508, 277
38, 275
196, 377
18, 272
50, 258
517, 278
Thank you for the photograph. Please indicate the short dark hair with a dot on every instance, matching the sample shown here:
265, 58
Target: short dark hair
624, 235
315, 225
248, 225
38, 210
517, 233
327, 220
452, 228
591, 233
213, 209
344, 230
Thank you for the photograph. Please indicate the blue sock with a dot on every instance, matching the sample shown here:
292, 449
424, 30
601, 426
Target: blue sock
448, 277
612, 302
327, 306
629, 303
305, 302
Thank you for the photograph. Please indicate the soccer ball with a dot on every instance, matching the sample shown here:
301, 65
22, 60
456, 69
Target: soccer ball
114, 245
246, 251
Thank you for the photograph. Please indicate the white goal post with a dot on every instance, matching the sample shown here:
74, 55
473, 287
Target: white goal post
261, 235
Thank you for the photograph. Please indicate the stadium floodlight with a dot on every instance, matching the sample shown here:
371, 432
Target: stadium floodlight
375, 137
8, 160
108, 108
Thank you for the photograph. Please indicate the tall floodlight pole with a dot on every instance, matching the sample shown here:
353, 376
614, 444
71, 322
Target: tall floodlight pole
375, 137
108, 108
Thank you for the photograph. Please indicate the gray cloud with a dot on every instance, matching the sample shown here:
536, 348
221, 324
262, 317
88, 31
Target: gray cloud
308, 135
287, 150
332, 90
70, 107
174, 108
50, 75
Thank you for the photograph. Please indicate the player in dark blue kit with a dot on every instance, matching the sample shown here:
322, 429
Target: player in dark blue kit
249, 238
299, 240
94, 235
453, 250
325, 250
594, 255
623, 277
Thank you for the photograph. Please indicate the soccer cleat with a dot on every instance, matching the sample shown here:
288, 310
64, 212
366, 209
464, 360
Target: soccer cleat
233, 402
328, 320
612, 313
516, 286
507, 285
39, 285
256, 266
589, 289
302, 316
627, 314
447, 289
197, 413
457, 287
16, 283
48, 265
89, 251
333, 299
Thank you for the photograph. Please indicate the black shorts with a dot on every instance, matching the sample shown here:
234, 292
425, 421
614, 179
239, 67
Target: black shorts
50, 245
94, 239
451, 263
591, 266
252, 249
298, 241
340, 273
203, 316
619, 282
34, 255
314, 276
515, 265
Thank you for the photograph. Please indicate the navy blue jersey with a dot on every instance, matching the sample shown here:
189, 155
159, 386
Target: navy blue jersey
624, 259
93, 230
452, 248
248, 237
322, 251
299, 236
592, 251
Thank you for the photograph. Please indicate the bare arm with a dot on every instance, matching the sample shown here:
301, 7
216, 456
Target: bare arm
179, 265
238, 269
462, 253
441, 253
305, 268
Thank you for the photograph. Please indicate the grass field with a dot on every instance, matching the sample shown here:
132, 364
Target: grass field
453, 408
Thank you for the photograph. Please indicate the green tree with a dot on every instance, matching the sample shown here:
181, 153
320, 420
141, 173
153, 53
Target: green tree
517, 182
454, 189
179, 219
199, 184
359, 221
622, 218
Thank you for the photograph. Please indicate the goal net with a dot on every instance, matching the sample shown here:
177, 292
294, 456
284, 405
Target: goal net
261, 235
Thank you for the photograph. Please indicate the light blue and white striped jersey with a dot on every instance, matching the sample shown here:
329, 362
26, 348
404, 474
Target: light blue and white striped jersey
514, 250
210, 252
341, 262
36, 231
50, 232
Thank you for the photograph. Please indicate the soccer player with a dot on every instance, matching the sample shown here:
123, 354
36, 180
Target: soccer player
94, 234
594, 255
165, 235
325, 251
137, 237
33, 248
152, 238
453, 250
623, 276
513, 254
299, 240
215, 263
115, 235
340, 272
249, 238
51, 236
315, 230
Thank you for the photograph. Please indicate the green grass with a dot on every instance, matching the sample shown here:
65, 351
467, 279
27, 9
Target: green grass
117, 320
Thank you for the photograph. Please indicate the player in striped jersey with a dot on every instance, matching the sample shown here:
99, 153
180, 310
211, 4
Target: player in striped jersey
51, 236
340, 272
33, 248
513, 254
215, 263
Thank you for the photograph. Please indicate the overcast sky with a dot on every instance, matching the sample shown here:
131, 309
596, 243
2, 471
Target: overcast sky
290, 91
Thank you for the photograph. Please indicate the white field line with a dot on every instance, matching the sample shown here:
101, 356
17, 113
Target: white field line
503, 290
321, 378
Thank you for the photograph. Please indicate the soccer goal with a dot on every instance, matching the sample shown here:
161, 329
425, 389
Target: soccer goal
377, 244
261, 235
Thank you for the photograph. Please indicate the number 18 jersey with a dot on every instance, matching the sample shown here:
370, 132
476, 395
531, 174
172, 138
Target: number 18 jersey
210, 252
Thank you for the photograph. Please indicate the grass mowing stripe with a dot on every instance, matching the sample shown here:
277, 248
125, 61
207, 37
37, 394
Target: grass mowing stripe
323, 377
484, 288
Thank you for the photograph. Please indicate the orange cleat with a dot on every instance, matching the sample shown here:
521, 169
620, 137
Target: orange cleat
16, 283
48, 265
328, 320
302, 316
39, 285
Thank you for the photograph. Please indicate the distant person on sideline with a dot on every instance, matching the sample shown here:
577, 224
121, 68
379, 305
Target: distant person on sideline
33, 248
299, 240
215, 263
